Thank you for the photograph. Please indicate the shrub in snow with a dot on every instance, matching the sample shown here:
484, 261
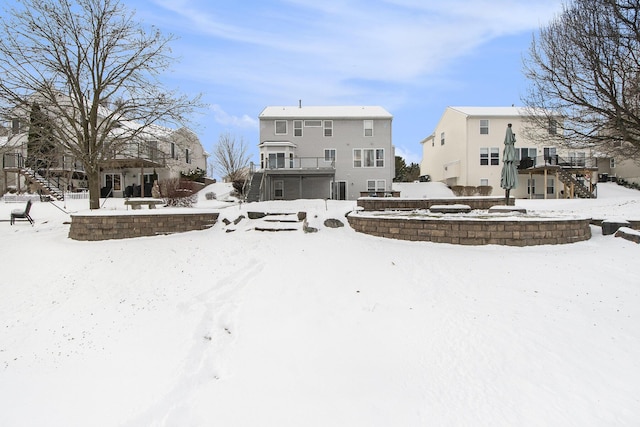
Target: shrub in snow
210, 195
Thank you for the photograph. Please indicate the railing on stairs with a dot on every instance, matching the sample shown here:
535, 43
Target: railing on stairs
42, 182
580, 189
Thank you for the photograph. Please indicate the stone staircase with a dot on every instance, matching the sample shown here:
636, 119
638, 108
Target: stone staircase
43, 183
277, 221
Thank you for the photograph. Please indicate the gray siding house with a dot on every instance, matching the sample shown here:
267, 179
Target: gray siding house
337, 152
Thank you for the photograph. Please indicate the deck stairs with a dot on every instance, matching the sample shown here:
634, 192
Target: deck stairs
254, 187
45, 185
580, 189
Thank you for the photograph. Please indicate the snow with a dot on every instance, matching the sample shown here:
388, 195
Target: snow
333, 328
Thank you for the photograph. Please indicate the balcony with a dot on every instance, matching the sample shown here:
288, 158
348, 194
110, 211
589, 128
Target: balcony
299, 165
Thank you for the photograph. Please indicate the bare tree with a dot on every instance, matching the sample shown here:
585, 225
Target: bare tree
230, 158
584, 71
72, 57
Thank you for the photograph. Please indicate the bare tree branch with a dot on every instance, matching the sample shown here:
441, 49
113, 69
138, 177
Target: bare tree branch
230, 158
583, 68
73, 58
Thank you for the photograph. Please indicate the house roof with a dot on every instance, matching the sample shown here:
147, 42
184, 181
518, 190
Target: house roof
491, 111
328, 112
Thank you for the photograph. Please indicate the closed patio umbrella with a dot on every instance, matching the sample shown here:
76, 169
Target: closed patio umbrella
509, 177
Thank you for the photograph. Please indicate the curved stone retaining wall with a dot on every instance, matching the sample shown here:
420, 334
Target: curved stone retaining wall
521, 232
119, 226
397, 203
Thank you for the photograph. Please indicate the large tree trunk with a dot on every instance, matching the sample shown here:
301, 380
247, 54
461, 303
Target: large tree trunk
93, 178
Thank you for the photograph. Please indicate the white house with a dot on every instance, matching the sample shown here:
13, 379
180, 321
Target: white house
465, 150
160, 153
337, 152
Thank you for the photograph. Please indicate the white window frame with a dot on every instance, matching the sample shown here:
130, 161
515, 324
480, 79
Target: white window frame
441, 138
357, 157
187, 156
531, 186
484, 156
330, 154
113, 175
376, 185
173, 150
494, 156
313, 123
368, 157
297, 128
612, 163
327, 126
367, 128
484, 126
279, 122
551, 186
484, 182
278, 189
379, 162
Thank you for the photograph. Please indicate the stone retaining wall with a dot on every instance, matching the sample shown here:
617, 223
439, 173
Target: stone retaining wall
119, 226
523, 232
392, 203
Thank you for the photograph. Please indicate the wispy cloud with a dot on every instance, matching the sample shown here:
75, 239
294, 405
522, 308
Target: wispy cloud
225, 119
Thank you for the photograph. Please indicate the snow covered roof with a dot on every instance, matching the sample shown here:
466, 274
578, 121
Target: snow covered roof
491, 111
329, 112
494, 111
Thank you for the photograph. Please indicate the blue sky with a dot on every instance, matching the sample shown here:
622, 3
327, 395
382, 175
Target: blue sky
412, 57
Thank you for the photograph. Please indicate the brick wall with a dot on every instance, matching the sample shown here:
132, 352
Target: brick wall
389, 203
524, 232
117, 226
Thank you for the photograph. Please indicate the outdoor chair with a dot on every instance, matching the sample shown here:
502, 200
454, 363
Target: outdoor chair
22, 214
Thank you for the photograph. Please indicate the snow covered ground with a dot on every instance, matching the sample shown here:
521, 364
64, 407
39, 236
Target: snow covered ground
334, 328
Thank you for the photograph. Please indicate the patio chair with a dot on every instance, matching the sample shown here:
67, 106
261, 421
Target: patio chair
22, 214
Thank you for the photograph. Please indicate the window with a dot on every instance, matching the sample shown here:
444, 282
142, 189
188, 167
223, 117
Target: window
442, 138
368, 128
368, 157
313, 123
380, 157
489, 156
550, 156
376, 185
553, 127
278, 189
329, 155
484, 182
276, 160
531, 186
357, 158
297, 128
187, 155
577, 158
328, 128
612, 163
484, 127
281, 127
15, 126
495, 156
173, 150
484, 156
527, 156
551, 186
113, 181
